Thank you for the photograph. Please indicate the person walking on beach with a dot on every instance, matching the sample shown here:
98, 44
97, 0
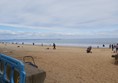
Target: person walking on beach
54, 46
22, 43
109, 46
103, 45
116, 48
112, 46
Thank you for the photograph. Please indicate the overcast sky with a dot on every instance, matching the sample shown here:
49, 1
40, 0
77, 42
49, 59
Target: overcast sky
27, 19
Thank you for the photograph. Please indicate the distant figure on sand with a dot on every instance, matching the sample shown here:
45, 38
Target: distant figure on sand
33, 43
116, 48
54, 46
42, 44
22, 43
112, 47
89, 49
109, 45
103, 45
97, 46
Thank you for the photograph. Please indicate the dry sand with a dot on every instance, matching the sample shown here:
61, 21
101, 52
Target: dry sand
69, 64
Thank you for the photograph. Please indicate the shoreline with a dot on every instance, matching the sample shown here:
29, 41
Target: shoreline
61, 45
94, 42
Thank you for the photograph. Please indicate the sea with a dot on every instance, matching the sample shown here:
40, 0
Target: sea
94, 42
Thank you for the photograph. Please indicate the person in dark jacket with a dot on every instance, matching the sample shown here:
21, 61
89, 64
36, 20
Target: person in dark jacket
54, 46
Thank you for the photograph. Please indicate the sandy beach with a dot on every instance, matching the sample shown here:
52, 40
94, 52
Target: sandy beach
69, 64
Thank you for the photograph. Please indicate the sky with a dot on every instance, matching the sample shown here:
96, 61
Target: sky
52, 19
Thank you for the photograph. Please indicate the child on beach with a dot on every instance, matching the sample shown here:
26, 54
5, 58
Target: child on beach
89, 49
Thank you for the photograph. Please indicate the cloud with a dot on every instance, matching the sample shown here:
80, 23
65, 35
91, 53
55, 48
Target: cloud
30, 35
67, 11
8, 34
53, 16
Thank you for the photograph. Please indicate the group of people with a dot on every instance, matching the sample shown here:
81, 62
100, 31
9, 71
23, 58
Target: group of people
114, 47
54, 45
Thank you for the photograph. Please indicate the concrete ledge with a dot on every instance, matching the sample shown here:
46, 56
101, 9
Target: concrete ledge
34, 75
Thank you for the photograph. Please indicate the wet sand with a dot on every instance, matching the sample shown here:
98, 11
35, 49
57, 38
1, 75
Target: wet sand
69, 64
